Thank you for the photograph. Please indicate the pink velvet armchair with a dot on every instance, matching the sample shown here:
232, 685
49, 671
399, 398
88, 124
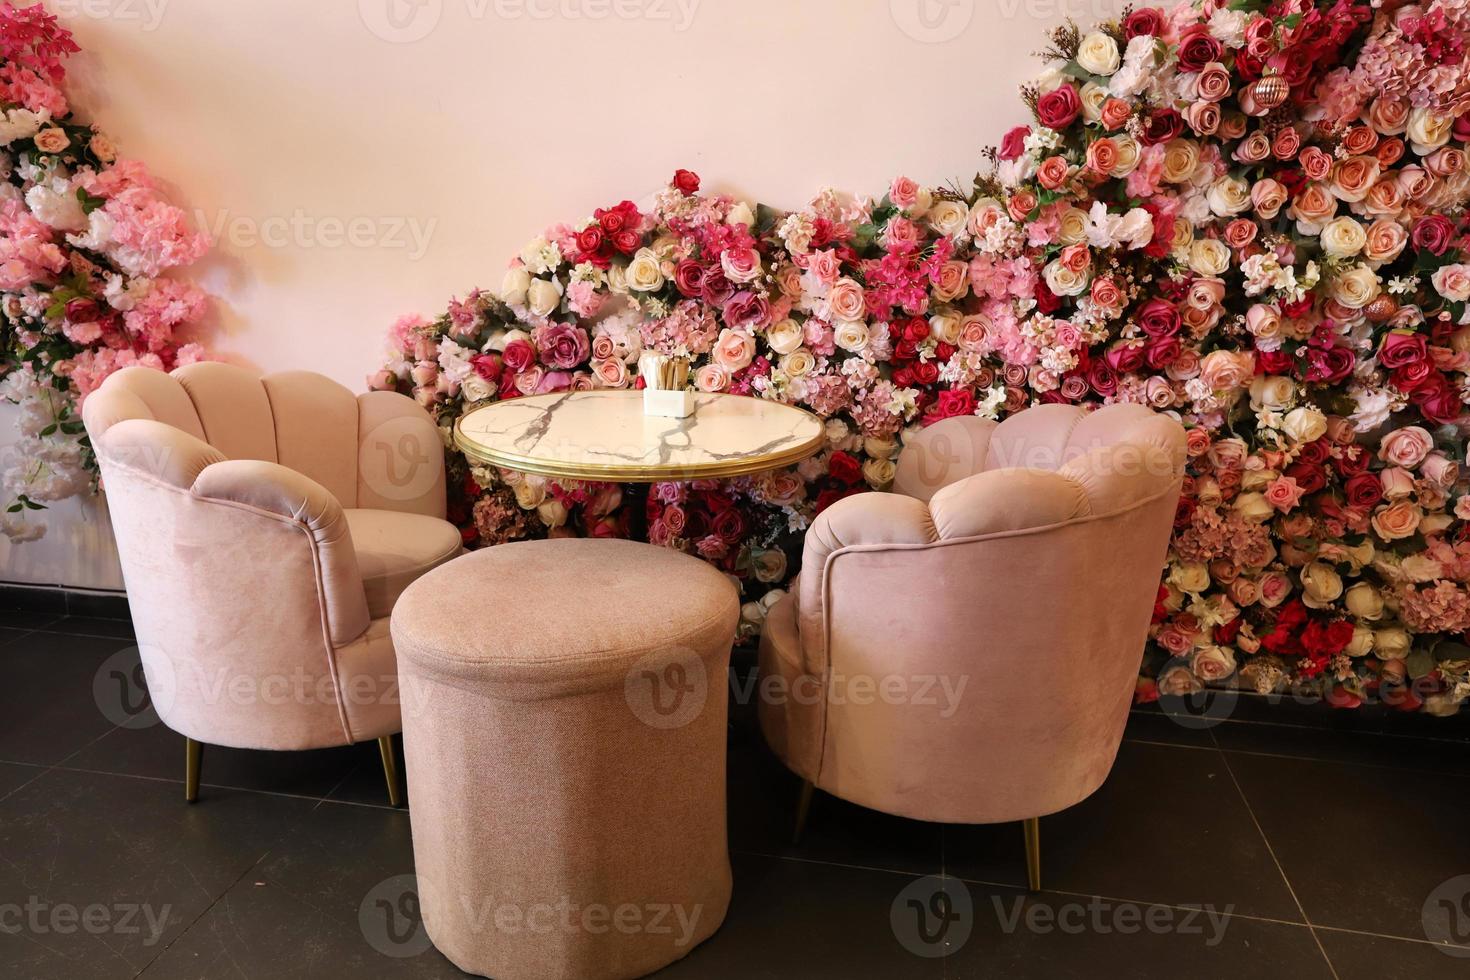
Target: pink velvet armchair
1002, 594
266, 526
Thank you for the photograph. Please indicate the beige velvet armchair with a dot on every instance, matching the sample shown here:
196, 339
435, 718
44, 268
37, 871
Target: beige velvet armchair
974, 638
266, 526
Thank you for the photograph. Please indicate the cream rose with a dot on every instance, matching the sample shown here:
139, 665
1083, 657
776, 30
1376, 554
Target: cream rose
645, 273
1305, 424
514, 286
1212, 663
1365, 602
851, 336
1356, 287
1129, 153
1321, 585
1099, 54
1229, 196
879, 473
543, 297
1193, 577
798, 363
948, 217
785, 336
1209, 257
1272, 392
1072, 226
1343, 238
1428, 131
1254, 507
1064, 281
1391, 643
1181, 160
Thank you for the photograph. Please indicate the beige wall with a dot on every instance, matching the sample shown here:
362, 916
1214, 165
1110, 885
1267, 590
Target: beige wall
360, 159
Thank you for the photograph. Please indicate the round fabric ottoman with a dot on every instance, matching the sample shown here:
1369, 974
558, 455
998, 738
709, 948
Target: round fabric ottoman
564, 709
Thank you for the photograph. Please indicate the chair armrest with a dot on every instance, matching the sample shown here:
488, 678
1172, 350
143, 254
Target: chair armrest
942, 454
400, 456
856, 521
156, 449
285, 495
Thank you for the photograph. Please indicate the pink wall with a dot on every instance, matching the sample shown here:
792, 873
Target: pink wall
359, 159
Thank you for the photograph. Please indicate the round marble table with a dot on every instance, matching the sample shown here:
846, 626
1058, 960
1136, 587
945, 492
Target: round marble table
604, 436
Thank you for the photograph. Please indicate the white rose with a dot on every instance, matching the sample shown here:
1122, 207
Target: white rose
1343, 238
1209, 257
851, 335
784, 337
1093, 96
741, 214
1305, 424
543, 297
1272, 392
476, 388
1072, 226
1099, 54
645, 273
880, 448
513, 287
1362, 642
553, 513
1129, 153
945, 327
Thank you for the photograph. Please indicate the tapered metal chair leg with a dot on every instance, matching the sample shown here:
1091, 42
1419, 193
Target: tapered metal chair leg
193, 754
803, 807
390, 770
1033, 854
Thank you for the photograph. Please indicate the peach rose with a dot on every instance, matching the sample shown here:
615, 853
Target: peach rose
1254, 148
1203, 117
1388, 116
1213, 83
1453, 282
1386, 240
712, 378
1021, 204
1446, 162
1385, 198
1286, 144
1225, 371
1360, 140
1312, 208
52, 140
847, 300
1316, 164
1241, 232
1397, 521
1115, 114
1053, 173
1353, 177
1102, 156
1268, 196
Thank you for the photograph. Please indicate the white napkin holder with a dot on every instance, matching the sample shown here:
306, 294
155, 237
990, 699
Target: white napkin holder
668, 404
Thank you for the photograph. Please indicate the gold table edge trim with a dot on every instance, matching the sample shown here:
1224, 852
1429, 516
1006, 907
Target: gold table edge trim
744, 466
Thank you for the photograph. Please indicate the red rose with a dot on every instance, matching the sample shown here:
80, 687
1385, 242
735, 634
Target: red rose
1047, 301
951, 403
844, 468
1364, 490
1059, 108
519, 355
1161, 352
1310, 478
1197, 48
487, 366
611, 222
1125, 357
1413, 375
1440, 405
1159, 318
1329, 365
916, 330
627, 241
1273, 362
729, 526
1102, 378
1400, 349
1014, 143
590, 239
1163, 126
689, 277
687, 181
717, 289
1146, 20
83, 310
1433, 233
926, 372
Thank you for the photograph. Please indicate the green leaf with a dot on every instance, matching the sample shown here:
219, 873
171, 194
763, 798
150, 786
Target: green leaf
89, 203
1420, 663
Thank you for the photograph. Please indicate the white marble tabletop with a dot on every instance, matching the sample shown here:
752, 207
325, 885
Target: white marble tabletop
605, 436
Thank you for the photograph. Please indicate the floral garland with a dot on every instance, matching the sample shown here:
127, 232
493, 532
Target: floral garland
1247, 214
84, 241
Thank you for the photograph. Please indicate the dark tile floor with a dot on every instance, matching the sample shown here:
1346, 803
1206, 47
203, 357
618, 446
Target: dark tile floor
1243, 849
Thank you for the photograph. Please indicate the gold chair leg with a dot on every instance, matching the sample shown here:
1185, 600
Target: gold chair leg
390, 770
803, 807
193, 753
1033, 854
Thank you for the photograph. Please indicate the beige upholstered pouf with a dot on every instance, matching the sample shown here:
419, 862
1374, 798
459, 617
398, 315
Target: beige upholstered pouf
564, 708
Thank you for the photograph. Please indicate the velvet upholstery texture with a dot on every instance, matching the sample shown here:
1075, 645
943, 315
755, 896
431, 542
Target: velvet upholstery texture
564, 712
964, 650
238, 502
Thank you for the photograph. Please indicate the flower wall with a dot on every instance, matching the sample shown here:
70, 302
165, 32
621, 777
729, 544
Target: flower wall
1249, 215
85, 241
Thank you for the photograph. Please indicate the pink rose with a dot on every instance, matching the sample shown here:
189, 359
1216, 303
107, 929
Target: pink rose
561, 345
847, 300
712, 378
734, 350
904, 193
1284, 494
1226, 371
741, 264
1406, 447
